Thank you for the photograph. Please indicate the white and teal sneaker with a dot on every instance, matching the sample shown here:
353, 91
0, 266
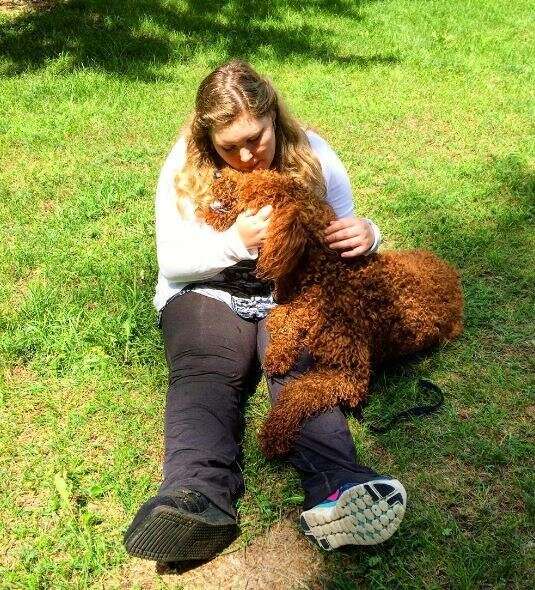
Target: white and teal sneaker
357, 514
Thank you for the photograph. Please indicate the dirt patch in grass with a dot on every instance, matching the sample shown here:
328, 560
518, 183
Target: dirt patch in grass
281, 559
25, 5
18, 375
48, 206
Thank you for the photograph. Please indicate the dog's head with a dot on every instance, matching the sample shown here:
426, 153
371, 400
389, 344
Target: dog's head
298, 217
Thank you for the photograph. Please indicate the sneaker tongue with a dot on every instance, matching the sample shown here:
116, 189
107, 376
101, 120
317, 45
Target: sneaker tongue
334, 496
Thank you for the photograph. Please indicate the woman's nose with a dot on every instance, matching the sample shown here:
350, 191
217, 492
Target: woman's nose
245, 155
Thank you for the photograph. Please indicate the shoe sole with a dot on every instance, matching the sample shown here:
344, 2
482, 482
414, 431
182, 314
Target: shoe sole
366, 514
170, 535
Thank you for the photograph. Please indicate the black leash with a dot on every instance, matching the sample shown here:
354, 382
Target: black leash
416, 410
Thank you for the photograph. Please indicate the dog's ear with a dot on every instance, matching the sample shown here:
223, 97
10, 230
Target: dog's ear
285, 243
298, 221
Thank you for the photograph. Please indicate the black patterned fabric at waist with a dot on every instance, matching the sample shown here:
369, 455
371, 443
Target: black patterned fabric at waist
238, 280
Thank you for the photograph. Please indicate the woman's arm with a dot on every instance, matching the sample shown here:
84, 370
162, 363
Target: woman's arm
188, 249
348, 232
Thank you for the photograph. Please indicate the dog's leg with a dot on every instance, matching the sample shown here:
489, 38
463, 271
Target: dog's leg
287, 326
426, 304
305, 396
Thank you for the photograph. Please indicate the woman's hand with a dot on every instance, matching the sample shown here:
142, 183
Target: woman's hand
253, 228
354, 236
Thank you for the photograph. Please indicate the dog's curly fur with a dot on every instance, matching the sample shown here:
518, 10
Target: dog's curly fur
351, 314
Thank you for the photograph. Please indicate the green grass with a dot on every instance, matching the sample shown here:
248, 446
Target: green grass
429, 104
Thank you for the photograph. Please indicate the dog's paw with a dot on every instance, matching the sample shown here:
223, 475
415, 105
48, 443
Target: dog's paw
277, 364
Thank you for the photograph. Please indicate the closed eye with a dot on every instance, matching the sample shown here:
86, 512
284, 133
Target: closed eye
233, 147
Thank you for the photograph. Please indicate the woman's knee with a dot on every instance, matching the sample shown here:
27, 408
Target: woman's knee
206, 342
210, 364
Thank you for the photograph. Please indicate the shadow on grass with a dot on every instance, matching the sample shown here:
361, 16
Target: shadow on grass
485, 232
130, 38
496, 263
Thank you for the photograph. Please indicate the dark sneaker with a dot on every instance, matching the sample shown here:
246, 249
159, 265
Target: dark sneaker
181, 525
357, 514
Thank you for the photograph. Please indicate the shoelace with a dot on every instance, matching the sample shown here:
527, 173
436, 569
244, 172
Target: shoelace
193, 501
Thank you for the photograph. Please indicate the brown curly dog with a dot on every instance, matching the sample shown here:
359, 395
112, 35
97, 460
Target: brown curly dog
350, 314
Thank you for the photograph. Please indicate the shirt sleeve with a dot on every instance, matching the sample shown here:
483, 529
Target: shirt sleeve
339, 194
188, 249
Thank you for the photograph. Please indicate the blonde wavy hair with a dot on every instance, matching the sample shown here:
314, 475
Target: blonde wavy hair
229, 91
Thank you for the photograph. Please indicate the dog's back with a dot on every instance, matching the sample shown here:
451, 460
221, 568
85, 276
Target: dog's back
420, 304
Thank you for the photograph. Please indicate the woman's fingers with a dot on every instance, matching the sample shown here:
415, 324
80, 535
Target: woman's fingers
352, 235
259, 217
345, 234
265, 212
355, 251
350, 242
339, 224
263, 223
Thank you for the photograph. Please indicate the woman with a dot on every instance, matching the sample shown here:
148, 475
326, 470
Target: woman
212, 313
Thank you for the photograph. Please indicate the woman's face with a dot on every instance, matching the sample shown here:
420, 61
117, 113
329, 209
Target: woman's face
247, 143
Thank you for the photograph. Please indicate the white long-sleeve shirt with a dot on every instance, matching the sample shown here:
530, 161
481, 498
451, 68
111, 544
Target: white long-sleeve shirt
190, 250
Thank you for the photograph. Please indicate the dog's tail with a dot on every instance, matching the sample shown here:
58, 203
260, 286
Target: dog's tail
303, 397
